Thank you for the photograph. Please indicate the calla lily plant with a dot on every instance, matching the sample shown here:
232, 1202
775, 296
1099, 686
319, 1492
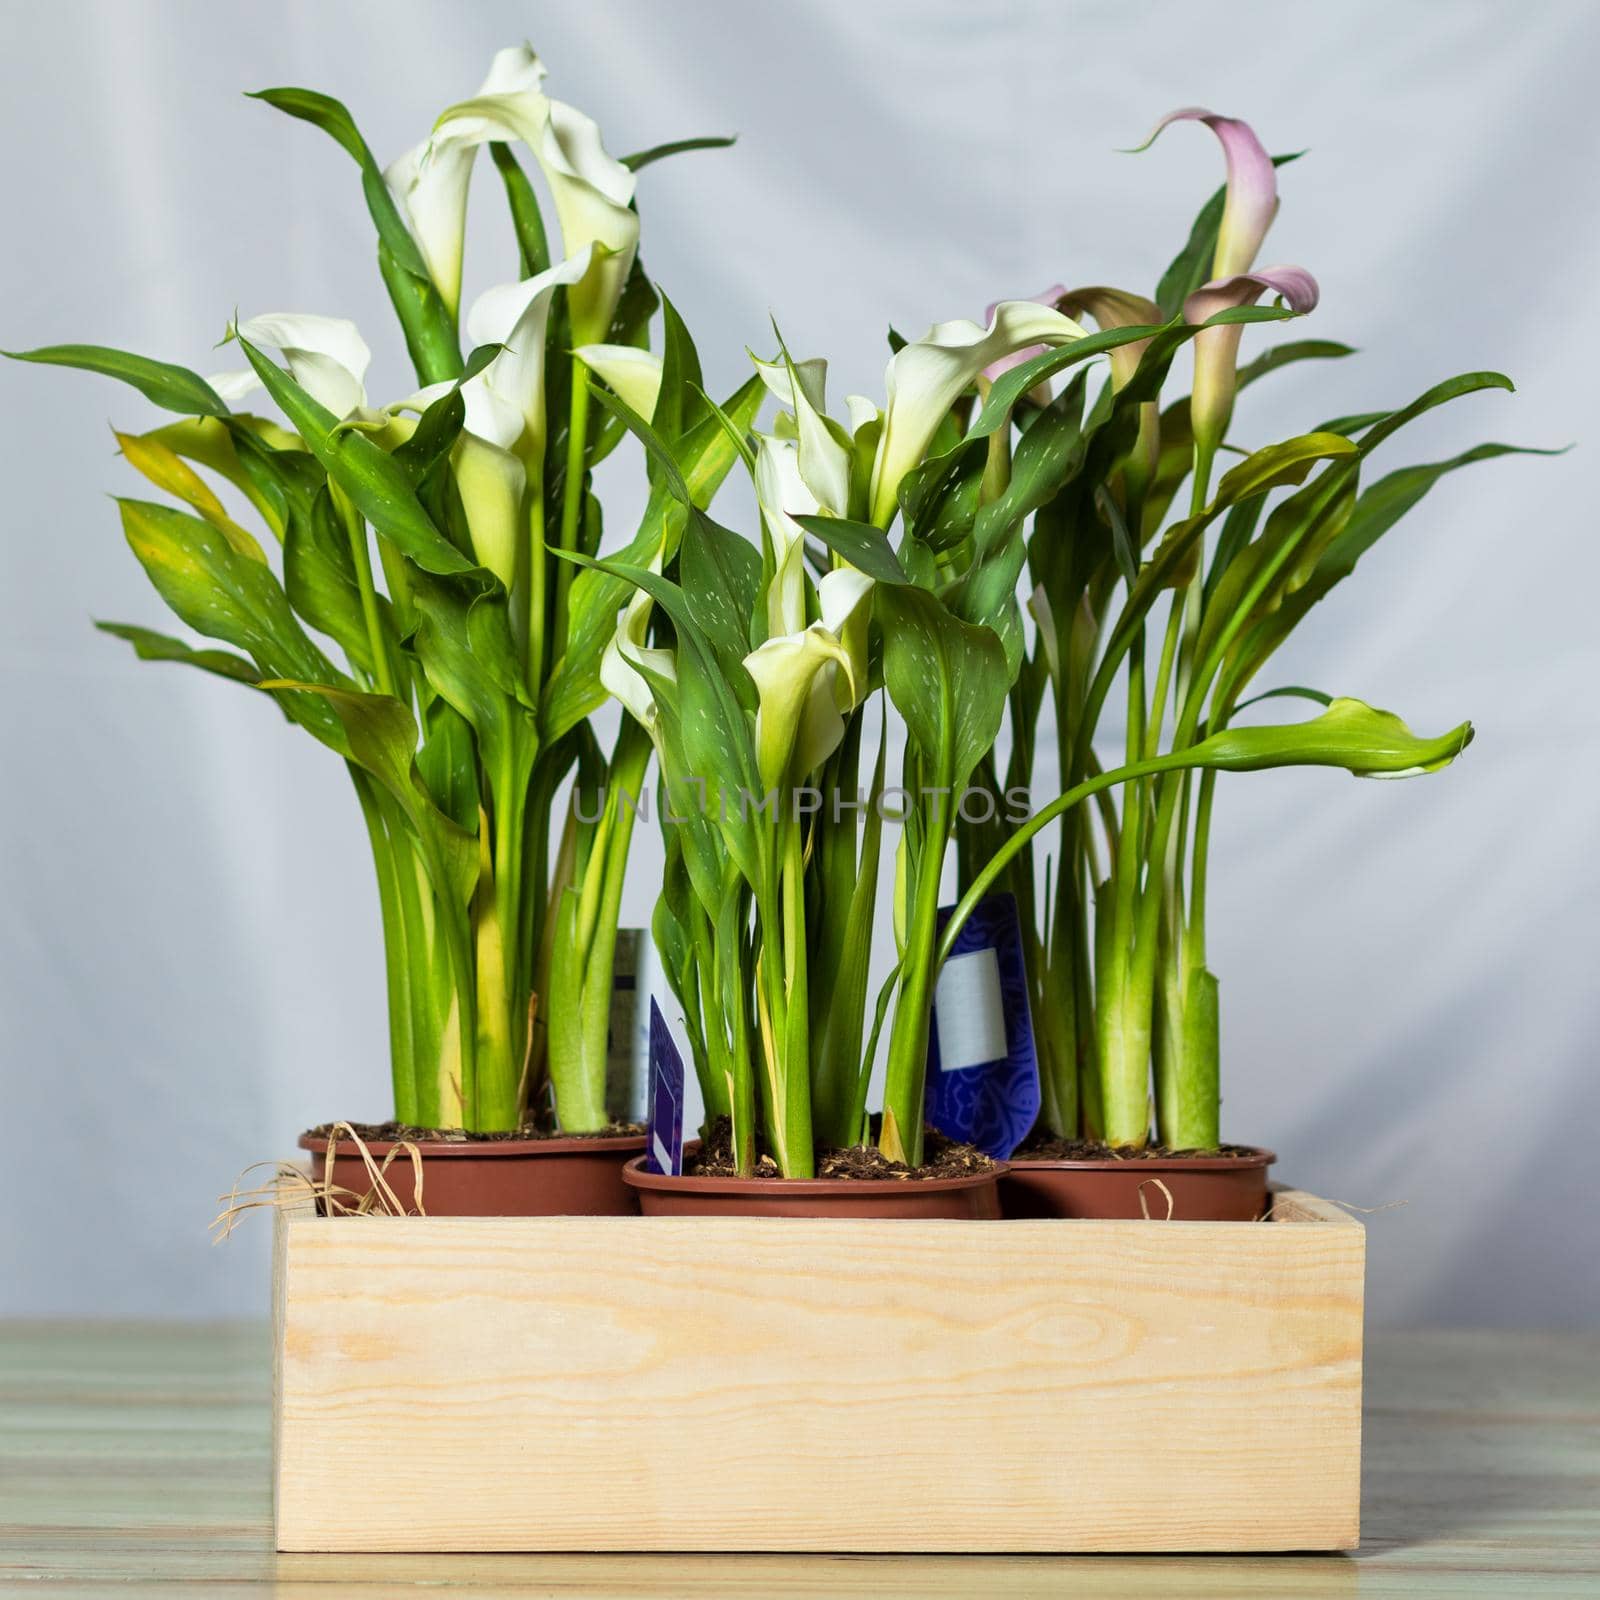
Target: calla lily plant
454, 674
1125, 1006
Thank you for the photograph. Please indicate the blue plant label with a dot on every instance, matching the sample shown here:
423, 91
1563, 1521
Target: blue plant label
665, 1153
983, 1067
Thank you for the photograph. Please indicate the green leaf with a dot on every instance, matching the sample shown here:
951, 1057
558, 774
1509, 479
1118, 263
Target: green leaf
428, 324
226, 596
1279, 464
173, 388
721, 582
1440, 394
642, 158
532, 244
378, 486
1284, 355
470, 667
678, 406
447, 763
1376, 511
319, 578
151, 646
948, 678
707, 454
863, 545
709, 710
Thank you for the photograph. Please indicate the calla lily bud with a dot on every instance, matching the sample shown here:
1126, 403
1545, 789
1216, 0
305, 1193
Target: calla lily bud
633, 373
925, 379
1216, 350
1252, 198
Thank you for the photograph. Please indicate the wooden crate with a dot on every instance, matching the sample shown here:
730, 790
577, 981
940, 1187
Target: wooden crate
622, 1383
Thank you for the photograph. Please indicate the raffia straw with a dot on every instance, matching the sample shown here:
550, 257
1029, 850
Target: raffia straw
380, 1190
1143, 1204
292, 1185
1282, 1205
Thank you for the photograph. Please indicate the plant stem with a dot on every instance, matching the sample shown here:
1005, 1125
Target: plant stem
361, 558
536, 586
572, 493
402, 1052
906, 1077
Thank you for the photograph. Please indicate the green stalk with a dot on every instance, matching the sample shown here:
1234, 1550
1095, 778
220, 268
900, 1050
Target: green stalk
580, 1085
535, 589
572, 492
361, 558
797, 1006
510, 797
402, 1051
1123, 1026
906, 1076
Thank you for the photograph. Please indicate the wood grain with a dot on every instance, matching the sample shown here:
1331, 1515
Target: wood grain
135, 1461
756, 1384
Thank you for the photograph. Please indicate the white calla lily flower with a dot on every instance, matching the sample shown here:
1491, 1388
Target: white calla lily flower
844, 597
327, 357
516, 316
430, 181
782, 494
861, 411
824, 457
594, 205
798, 725
925, 378
812, 375
593, 193
633, 373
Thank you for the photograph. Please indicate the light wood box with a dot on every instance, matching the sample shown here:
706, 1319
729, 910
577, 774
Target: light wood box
623, 1383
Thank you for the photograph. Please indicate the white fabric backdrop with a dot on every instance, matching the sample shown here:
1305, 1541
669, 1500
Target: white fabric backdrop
189, 959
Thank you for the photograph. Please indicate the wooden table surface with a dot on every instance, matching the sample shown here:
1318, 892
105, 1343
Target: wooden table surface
134, 1461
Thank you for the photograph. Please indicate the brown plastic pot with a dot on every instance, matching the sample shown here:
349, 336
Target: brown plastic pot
973, 1197
562, 1177
1201, 1188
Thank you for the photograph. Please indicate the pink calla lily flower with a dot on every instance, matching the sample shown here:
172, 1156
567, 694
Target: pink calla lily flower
1252, 200
1216, 350
1294, 285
